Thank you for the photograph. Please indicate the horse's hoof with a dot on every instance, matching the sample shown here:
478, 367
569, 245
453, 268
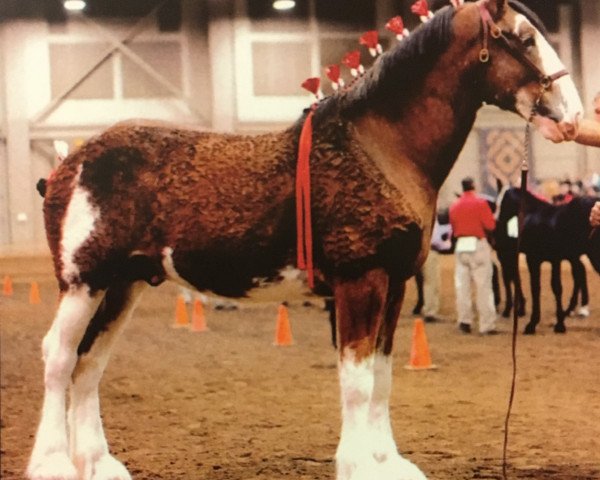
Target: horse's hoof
506, 313
390, 467
529, 329
583, 312
55, 466
109, 468
560, 328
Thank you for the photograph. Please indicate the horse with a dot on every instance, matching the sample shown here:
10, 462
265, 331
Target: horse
505, 244
550, 233
140, 204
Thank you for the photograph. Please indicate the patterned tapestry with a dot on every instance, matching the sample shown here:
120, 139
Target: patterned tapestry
501, 153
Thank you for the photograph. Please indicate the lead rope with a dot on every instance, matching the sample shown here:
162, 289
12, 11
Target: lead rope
521, 222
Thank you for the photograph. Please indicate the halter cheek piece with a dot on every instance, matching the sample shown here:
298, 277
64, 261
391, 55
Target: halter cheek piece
491, 29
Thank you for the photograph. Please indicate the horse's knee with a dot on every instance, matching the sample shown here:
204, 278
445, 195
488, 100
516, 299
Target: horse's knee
59, 365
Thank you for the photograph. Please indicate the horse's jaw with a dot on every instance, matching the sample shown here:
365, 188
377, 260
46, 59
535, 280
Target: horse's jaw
556, 131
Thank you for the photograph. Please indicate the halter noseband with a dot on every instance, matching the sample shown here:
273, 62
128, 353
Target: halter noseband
491, 29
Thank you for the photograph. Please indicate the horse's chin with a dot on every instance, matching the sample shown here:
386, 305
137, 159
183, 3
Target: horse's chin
553, 131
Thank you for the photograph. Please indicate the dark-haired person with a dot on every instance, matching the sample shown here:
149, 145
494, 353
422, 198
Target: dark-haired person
472, 221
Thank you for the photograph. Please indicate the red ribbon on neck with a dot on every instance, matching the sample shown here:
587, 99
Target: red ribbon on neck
303, 211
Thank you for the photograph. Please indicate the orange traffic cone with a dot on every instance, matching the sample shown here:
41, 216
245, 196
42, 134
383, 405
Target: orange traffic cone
420, 359
182, 319
7, 290
198, 320
34, 294
283, 332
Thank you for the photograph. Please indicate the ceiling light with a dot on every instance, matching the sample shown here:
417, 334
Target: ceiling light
284, 4
74, 5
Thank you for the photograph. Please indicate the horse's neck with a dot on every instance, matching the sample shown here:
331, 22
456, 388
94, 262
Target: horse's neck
427, 134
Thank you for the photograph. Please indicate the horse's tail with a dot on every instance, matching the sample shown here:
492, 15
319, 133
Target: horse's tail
40, 186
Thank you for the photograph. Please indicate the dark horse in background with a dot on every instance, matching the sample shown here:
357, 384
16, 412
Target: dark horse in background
140, 204
551, 233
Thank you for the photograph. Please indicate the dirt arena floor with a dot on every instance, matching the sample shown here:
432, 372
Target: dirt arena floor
228, 405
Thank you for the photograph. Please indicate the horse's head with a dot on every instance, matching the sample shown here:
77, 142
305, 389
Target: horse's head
523, 73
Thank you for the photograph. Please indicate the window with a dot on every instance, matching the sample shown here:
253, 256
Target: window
276, 51
88, 60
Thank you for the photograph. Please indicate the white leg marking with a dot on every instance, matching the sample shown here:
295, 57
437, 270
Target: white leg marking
49, 458
89, 448
80, 218
367, 449
583, 311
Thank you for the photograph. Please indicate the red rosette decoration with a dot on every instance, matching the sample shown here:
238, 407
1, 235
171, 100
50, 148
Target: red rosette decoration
370, 40
312, 85
421, 9
396, 26
334, 74
352, 61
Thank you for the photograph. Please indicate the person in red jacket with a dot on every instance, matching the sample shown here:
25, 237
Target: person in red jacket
472, 220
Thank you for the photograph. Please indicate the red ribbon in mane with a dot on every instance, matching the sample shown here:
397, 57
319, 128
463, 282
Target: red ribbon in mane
303, 212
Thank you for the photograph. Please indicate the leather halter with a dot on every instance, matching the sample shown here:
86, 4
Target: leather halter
491, 29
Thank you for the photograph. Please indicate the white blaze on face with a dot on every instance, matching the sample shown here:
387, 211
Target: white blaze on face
562, 98
80, 218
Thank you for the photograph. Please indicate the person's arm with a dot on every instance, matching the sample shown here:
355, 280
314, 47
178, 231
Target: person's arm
595, 215
589, 133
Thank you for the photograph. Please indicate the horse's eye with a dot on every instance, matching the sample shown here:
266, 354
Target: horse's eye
528, 42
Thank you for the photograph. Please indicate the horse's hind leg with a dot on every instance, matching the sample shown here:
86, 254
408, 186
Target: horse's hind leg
584, 310
49, 458
557, 290
89, 449
367, 312
579, 285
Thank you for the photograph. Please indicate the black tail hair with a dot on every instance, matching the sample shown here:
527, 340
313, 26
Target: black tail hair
40, 186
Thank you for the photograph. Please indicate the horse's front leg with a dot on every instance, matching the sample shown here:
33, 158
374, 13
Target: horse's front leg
367, 312
507, 279
557, 290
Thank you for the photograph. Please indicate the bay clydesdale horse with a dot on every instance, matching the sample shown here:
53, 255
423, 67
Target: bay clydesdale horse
138, 205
